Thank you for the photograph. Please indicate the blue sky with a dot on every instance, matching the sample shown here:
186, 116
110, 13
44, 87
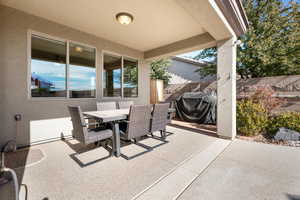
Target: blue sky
81, 78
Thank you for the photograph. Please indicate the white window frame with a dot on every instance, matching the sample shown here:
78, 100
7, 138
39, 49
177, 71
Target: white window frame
122, 75
50, 37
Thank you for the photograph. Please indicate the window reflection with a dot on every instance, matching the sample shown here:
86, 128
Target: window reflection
48, 67
82, 71
112, 75
130, 87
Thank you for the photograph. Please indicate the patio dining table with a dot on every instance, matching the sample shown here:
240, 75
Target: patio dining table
113, 117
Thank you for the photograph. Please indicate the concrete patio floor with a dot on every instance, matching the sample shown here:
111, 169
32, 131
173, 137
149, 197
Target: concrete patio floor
248, 170
66, 174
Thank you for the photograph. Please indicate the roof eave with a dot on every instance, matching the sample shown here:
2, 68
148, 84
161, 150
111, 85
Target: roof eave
235, 14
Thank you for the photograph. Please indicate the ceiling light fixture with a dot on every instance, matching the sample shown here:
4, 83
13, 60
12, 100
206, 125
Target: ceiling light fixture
124, 18
78, 49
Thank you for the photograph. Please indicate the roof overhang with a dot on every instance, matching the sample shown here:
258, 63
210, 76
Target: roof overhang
234, 13
159, 27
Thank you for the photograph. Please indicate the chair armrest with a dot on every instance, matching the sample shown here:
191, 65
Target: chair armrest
88, 117
126, 121
89, 124
26, 190
93, 123
84, 124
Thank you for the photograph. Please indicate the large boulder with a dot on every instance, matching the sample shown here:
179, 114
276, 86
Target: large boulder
288, 136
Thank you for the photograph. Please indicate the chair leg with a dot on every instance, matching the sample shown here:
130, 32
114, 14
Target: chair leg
111, 153
103, 143
163, 133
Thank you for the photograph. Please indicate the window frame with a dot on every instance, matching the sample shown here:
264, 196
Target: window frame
31, 33
122, 75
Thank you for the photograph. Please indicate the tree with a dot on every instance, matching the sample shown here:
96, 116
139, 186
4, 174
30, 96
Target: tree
159, 70
211, 66
131, 74
271, 46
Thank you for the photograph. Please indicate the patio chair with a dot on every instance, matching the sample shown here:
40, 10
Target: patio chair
171, 115
160, 119
106, 106
82, 133
136, 127
102, 106
138, 122
9, 186
124, 104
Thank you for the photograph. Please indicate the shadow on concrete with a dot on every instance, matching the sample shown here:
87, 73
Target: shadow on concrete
80, 149
196, 130
146, 147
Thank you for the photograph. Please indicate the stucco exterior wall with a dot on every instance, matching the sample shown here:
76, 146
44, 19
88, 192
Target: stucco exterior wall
43, 119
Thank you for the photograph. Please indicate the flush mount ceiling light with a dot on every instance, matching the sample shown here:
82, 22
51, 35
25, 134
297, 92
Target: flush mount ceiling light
78, 49
124, 18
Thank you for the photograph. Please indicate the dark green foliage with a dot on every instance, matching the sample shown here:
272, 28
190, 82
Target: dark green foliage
131, 74
290, 120
255, 116
271, 46
159, 70
211, 67
252, 118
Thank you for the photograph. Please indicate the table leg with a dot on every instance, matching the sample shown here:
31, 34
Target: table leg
116, 145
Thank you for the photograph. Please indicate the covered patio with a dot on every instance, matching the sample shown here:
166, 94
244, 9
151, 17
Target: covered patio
89, 173
56, 54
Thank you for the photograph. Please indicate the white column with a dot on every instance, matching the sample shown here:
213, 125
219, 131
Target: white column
144, 81
226, 116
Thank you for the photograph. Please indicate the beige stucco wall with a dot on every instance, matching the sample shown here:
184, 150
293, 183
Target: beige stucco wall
44, 119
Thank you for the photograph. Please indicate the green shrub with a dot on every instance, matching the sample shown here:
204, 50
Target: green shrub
290, 120
252, 118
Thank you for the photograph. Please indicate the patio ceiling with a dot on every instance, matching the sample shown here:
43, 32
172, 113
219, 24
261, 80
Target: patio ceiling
157, 23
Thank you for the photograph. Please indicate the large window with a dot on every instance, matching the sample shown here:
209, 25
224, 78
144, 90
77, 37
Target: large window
112, 79
48, 68
120, 76
130, 80
82, 71
59, 71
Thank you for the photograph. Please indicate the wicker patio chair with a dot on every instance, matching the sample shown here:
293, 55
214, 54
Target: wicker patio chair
160, 119
106, 106
102, 106
171, 114
124, 104
9, 186
82, 133
138, 122
136, 127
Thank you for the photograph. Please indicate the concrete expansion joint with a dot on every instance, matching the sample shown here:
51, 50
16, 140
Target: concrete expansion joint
209, 164
176, 181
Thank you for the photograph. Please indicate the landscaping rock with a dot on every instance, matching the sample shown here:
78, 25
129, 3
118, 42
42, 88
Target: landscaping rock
287, 135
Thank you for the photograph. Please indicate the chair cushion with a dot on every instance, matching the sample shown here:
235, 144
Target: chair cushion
123, 126
94, 136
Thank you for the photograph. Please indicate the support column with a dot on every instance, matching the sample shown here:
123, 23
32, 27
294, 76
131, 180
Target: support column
226, 116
